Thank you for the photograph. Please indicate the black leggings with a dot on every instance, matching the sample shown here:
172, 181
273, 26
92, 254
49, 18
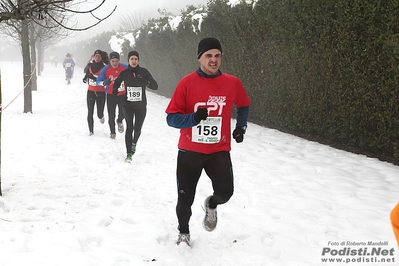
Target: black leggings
112, 102
92, 99
134, 122
219, 169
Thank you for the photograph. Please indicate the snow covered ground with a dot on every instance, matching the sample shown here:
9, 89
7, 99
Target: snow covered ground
70, 199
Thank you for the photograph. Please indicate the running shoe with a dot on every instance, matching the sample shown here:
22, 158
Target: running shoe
128, 158
120, 128
183, 238
211, 216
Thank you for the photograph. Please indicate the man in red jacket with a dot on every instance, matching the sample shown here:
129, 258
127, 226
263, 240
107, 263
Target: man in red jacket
201, 108
107, 78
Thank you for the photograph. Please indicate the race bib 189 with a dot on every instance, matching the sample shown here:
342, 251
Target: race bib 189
208, 131
134, 94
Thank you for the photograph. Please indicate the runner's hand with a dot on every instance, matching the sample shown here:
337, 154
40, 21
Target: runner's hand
201, 114
238, 134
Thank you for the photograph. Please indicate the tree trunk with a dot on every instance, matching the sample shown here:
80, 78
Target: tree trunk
40, 58
32, 45
26, 67
1, 111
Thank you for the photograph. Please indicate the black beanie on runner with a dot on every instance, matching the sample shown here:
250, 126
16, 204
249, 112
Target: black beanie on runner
113, 55
133, 53
208, 44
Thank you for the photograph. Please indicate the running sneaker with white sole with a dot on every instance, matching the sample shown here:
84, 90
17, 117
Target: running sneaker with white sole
120, 128
211, 216
183, 238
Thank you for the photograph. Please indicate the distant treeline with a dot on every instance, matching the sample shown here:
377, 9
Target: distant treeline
323, 70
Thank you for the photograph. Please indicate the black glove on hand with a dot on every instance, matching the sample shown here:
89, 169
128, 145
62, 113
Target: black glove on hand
238, 134
115, 91
201, 114
90, 76
107, 82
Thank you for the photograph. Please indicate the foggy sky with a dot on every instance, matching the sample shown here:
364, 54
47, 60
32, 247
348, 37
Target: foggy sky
143, 9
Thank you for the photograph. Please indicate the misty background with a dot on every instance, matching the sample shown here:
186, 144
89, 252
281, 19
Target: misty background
141, 10
325, 71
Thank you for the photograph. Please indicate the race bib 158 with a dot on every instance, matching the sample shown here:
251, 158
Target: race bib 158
208, 131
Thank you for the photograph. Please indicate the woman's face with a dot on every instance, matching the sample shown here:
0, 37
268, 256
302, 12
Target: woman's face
97, 58
133, 61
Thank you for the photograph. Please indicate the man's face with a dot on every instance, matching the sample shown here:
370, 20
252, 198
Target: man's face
97, 58
210, 61
114, 62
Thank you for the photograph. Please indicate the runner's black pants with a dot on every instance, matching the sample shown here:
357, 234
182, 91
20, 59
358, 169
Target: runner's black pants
112, 102
92, 99
190, 164
134, 118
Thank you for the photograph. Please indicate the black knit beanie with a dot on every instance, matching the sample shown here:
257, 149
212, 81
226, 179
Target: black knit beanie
133, 53
113, 55
208, 44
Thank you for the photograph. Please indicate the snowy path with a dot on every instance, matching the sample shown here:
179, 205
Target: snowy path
69, 199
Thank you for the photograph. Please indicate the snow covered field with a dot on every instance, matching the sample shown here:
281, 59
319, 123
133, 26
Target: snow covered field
70, 199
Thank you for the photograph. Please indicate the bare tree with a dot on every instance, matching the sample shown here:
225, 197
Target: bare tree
1, 107
40, 38
37, 10
48, 14
132, 21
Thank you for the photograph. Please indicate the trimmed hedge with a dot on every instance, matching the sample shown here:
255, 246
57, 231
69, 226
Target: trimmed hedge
326, 69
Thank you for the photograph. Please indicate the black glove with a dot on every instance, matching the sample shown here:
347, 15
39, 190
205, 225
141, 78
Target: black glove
238, 134
201, 114
107, 82
115, 91
90, 76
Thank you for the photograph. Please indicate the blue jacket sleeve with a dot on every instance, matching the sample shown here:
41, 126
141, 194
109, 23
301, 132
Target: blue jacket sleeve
101, 77
242, 116
181, 121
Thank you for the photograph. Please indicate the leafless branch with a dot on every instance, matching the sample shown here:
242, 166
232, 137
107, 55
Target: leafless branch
38, 10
